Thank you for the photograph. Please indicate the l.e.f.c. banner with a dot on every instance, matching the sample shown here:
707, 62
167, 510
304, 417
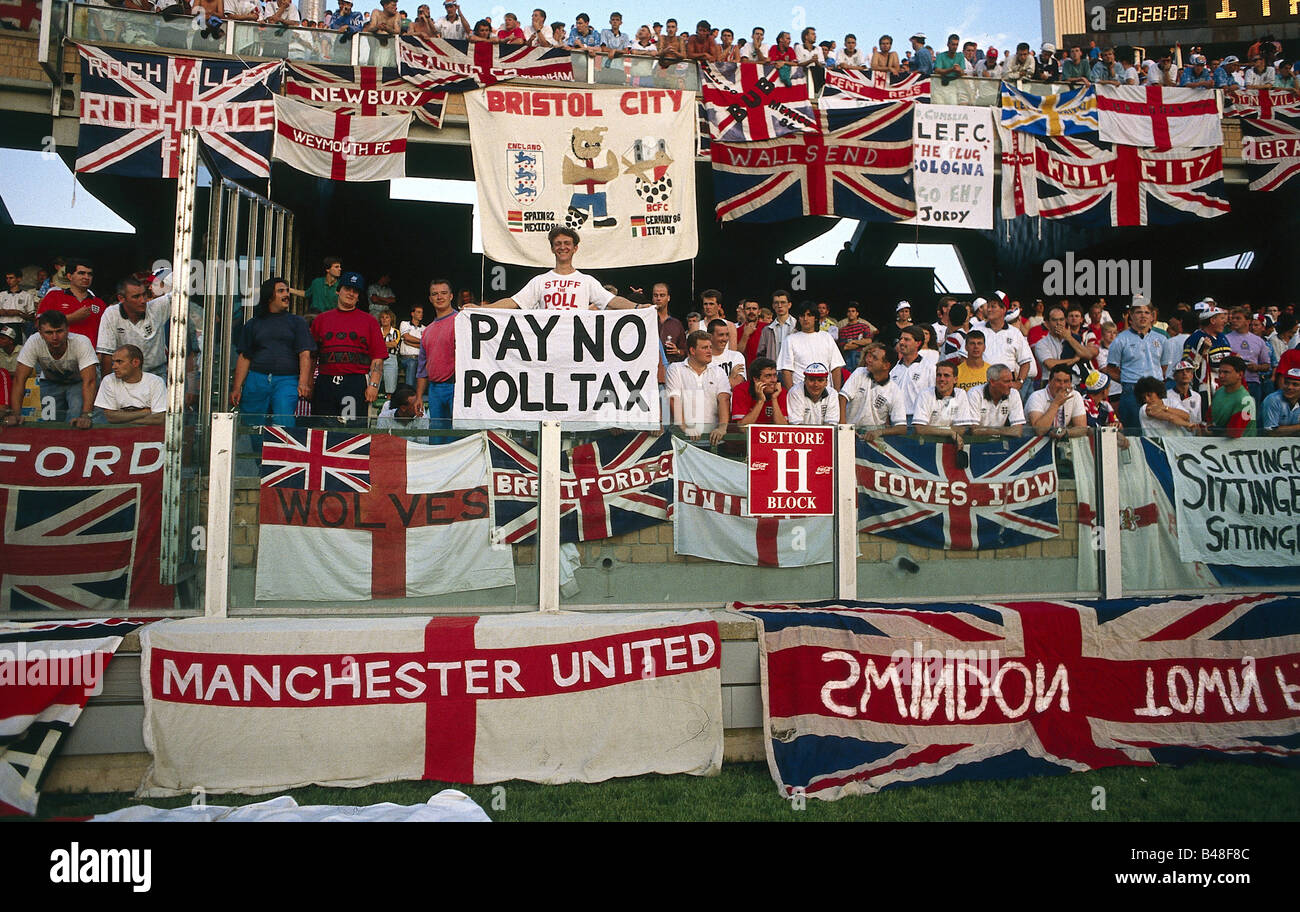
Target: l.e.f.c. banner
618, 165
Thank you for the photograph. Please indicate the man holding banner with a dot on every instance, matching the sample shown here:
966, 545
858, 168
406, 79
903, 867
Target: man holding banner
564, 287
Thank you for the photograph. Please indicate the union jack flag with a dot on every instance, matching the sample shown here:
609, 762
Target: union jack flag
1099, 185
858, 165
853, 88
1064, 114
460, 66
1271, 148
362, 90
23, 15
1262, 103
915, 492
134, 108
609, 487
861, 696
315, 460
67, 548
746, 102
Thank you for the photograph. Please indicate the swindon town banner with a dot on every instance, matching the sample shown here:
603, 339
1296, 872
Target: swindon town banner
587, 369
860, 696
953, 166
546, 698
615, 164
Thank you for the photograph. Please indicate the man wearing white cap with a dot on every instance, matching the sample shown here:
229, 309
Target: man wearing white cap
1281, 414
922, 60
1225, 77
1197, 75
1049, 69
902, 319
1183, 395
1205, 348
810, 402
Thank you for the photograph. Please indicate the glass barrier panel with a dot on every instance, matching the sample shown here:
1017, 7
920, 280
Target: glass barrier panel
106, 25
377, 50
640, 71
282, 42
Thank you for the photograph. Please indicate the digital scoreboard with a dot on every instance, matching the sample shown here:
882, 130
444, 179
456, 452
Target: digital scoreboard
1148, 15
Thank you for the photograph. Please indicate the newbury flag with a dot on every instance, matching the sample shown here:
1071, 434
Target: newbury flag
349, 517
362, 90
1271, 149
340, 146
855, 88
751, 101
711, 517
1159, 117
260, 704
1063, 114
440, 64
616, 164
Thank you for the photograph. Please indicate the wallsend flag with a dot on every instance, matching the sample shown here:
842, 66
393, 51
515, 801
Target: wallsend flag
752, 101
711, 517
1064, 114
855, 88
860, 696
255, 705
340, 146
134, 108
916, 493
858, 166
352, 517
1263, 103
608, 487
362, 90
1159, 117
440, 64
1271, 149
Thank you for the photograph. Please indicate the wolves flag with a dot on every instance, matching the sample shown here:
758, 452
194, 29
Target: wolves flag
362, 90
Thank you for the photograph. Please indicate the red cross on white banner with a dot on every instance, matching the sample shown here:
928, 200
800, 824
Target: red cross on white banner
339, 145
1158, 117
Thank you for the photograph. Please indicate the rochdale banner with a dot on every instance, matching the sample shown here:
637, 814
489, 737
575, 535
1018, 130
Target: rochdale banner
615, 164
256, 705
952, 160
1238, 500
587, 369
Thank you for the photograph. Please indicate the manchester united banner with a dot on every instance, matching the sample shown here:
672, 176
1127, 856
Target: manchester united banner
615, 164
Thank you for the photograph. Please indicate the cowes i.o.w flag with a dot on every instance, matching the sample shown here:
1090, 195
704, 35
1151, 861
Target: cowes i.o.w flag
362, 90
460, 66
134, 108
352, 517
344, 147
552, 698
1159, 117
751, 101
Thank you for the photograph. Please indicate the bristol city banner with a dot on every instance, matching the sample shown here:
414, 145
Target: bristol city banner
134, 108
362, 90
953, 165
340, 146
861, 696
255, 705
587, 369
615, 164
80, 521
349, 517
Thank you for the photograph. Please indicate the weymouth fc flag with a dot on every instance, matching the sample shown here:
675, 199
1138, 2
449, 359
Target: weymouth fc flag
460, 66
618, 165
350, 517
860, 696
134, 108
551, 698
362, 90
340, 146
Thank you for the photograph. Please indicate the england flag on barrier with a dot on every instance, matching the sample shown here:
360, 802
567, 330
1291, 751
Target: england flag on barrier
861, 696
134, 107
611, 486
917, 493
746, 102
440, 64
1159, 117
855, 88
362, 90
342, 147
1064, 114
1271, 149
858, 166
1262, 103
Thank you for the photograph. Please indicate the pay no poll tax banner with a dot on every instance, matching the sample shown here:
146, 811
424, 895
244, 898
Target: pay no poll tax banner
617, 165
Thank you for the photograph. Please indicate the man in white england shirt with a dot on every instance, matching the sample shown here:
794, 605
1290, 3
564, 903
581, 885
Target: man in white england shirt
130, 396
943, 411
914, 372
1004, 344
999, 411
563, 288
870, 399
811, 402
1057, 407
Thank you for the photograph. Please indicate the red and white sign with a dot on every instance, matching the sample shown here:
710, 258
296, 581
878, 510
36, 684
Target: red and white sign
340, 146
1159, 117
791, 470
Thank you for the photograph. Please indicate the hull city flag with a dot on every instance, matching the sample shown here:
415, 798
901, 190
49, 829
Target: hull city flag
362, 90
340, 146
350, 517
550, 698
617, 165
745, 102
439, 64
134, 107
861, 696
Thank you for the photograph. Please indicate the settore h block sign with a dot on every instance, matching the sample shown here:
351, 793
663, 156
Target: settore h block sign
791, 470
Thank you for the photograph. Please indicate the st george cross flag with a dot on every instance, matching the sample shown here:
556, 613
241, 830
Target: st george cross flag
711, 517
1097, 185
362, 90
915, 492
47, 673
259, 704
1271, 149
1019, 183
861, 696
752, 101
1065, 114
345, 147
134, 108
854, 88
1159, 117
440, 64
611, 486
349, 517
858, 166
1263, 103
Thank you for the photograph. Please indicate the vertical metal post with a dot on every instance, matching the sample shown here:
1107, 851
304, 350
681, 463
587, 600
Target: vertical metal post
216, 590
230, 256
548, 519
268, 250
217, 201
253, 248
846, 513
1112, 582
43, 43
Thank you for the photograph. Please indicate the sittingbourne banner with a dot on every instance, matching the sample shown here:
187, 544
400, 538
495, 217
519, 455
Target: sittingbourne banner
257, 705
618, 165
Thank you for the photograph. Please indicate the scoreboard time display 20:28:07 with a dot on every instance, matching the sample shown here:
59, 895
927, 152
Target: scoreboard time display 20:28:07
1150, 14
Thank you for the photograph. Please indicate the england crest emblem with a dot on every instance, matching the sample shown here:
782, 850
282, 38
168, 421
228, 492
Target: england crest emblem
524, 166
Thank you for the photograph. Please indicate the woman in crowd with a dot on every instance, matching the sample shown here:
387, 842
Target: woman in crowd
392, 339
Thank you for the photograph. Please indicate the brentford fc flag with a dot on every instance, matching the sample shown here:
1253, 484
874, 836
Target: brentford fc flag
340, 146
711, 517
362, 90
350, 517
252, 705
1159, 117
1271, 148
460, 66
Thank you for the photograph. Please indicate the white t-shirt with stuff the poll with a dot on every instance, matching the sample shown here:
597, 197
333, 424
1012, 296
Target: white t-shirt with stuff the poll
575, 291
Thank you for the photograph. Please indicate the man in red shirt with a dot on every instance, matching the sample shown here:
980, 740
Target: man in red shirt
750, 332
350, 354
436, 369
79, 304
782, 51
760, 399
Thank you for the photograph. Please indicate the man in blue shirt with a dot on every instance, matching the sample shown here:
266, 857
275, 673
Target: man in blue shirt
1281, 414
1135, 354
1223, 78
922, 60
582, 35
1197, 75
1106, 69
